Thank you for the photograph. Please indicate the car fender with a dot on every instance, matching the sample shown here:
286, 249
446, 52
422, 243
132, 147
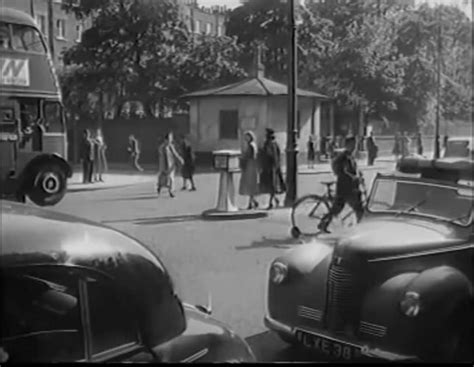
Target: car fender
442, 291
45, 158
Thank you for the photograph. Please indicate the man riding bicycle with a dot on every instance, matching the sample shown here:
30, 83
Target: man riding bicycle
347, 186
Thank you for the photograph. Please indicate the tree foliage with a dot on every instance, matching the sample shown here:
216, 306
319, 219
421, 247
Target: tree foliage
372, 54
141, 51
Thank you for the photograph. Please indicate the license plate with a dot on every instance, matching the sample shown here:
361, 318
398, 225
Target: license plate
328, 347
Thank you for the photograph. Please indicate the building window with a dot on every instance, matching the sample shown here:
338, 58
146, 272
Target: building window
229, 125
41, 21
197, 26
208, 28
220, 31
61, 29
79, 30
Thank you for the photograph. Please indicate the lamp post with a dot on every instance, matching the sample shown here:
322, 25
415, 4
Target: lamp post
292, 129
438, 86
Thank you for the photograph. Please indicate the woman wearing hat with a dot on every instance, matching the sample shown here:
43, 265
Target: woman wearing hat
249, 178
271, 178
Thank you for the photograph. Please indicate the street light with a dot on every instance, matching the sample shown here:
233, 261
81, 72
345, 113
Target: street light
438, 85
292, 129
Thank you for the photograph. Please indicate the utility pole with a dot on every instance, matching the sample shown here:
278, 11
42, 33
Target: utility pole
32, 9
51, 28
438, 87
292, 129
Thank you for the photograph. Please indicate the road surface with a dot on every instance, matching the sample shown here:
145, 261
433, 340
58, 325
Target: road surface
227, 259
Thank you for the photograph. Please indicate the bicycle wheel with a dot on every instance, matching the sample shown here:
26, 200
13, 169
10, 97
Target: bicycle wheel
306, 214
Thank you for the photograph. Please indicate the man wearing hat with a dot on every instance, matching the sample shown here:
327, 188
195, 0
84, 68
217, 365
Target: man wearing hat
347, 186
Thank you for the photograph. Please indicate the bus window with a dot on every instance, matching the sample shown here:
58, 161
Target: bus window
53, 116
27, 39
4, 36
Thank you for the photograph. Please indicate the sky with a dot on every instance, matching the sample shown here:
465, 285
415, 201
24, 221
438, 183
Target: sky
466, 5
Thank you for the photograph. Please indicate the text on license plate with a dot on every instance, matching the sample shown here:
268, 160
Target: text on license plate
327, 346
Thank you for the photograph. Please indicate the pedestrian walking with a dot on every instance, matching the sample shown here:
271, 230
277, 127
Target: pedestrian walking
271, 178
444, 146
167, 164
331, 147
87, 156
100, 166
405, 142
419, 143
372, 149
347, 186
397, 151
134, 151
323, 146
188, 168
249, 166
311, 152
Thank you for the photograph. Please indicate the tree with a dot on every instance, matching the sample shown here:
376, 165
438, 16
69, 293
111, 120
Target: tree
418, 40
141, 51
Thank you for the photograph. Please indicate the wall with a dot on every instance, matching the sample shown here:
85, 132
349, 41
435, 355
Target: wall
149, 133
267, 112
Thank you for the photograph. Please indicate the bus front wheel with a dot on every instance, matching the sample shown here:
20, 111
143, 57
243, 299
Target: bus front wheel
48, 184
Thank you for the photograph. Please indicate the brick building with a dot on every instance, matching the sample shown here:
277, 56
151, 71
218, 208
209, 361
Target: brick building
202, 20
65, 28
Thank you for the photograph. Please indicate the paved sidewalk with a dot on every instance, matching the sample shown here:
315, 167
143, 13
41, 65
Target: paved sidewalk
112, 180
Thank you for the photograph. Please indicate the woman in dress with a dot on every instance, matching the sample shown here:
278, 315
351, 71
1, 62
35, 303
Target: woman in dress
187, 170
249, 165
271, 178
311, 152
99, 156
168, 158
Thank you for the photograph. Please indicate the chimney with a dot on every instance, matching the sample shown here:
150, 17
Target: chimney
258, 69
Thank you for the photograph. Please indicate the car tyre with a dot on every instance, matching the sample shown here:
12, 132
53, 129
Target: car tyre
456, 342
288, 339
295, 232
48, 184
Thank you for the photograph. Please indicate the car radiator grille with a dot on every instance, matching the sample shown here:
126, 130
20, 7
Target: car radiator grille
342, 306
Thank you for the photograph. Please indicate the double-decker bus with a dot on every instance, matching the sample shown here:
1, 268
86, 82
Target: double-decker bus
33, 141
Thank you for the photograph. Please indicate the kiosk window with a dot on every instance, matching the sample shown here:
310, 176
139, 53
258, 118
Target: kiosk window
53, 116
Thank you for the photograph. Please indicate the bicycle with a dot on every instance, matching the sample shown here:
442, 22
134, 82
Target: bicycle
308, 211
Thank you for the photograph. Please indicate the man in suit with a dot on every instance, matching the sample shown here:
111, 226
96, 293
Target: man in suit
87, 157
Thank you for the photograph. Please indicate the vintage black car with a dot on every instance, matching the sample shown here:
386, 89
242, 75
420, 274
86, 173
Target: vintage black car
399, 285
73, 290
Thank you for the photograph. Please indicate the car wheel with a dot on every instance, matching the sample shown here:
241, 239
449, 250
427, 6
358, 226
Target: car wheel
295, 232
456, 342
288, 339
48, 185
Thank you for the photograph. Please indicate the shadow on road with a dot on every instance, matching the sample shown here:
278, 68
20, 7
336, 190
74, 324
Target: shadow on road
154, 197
157, 220
268, 347
265, 242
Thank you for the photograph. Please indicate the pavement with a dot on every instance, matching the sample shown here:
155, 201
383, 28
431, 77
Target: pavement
228, 260
121, 175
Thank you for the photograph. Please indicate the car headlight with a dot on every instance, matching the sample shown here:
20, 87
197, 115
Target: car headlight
278, 272
411, 304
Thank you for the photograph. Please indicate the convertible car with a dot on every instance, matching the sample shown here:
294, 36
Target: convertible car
396, 287
75, 291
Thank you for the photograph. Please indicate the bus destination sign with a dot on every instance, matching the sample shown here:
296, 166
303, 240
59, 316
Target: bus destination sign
14, 72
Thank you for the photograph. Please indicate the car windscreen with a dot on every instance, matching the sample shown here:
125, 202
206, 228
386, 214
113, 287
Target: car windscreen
422, 198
